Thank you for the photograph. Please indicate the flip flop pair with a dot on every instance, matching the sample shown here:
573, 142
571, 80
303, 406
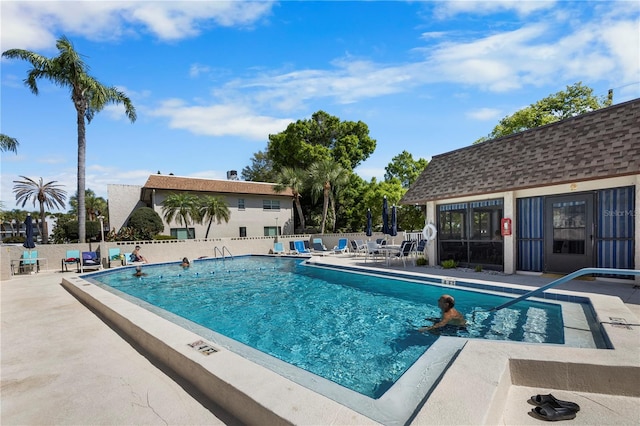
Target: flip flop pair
551, 409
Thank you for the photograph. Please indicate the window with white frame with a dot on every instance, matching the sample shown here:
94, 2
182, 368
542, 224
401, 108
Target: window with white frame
271, 205
240, 203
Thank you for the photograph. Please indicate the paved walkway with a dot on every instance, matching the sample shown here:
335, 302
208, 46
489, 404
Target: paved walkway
60, 364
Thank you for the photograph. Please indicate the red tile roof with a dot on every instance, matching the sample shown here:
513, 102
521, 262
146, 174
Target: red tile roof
600, 144
178, 183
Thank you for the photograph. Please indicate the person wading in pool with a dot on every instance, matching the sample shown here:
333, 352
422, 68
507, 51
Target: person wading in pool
450, 315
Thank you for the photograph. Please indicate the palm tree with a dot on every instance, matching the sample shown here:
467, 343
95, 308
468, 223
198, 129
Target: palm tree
94, 205
89, 97
47, 194
8, 143
214, 208
294, 179
325, 175
184, 207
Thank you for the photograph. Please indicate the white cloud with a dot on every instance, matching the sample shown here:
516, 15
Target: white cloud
484, 114
521, 7
219, 120
33, 25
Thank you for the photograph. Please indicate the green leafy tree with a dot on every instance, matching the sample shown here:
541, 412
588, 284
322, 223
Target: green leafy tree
575, 100
404, 168
295, 179
8, 143
214, 208
95, 206
88, 95
322, 137
325, 177
260, 170
146, 223
184, 207
49, 195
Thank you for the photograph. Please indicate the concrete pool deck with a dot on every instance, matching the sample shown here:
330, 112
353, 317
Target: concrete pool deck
61, 364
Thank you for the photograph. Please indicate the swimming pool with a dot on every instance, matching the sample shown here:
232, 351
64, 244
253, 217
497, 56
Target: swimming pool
357, 330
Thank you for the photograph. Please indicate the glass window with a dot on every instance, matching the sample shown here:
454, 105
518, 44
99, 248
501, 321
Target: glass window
240, 203
243, 231
271, 204
181, 233
270, 231
569, 227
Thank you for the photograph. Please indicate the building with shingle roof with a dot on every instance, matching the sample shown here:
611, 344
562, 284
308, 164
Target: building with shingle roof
568, 191
256, 208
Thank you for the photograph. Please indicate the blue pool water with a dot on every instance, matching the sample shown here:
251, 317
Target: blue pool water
354, 329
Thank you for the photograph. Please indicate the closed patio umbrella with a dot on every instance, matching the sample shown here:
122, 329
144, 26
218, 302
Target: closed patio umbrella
394, 222
28, 242
367, 230
385, 216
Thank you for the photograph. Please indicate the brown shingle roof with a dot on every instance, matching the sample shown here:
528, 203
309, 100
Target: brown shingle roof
599, 144
177, 183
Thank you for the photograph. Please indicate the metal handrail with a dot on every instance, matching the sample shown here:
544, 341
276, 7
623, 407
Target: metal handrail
578, 273
221, 250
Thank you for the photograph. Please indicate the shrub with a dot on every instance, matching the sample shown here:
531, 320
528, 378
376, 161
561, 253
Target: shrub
478, 268
164, 237
449, 264
421, 261
14, 239
146, 222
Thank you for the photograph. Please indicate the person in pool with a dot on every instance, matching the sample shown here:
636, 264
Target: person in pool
450, 315
185, 263
139, 272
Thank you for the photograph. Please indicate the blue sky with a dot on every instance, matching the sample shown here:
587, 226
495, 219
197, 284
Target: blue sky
211, 80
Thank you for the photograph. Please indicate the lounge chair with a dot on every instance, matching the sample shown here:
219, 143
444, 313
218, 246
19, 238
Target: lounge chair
115, 257
72, 258
278, 248
292, 248
342, 247
128, 261
372, 251
90, 260
358, 246
300, 248
319, 248
406, 248
29, 261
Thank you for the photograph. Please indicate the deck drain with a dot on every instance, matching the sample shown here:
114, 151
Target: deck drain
203, 347
620, 323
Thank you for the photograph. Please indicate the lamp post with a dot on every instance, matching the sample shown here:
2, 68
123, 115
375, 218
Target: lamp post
101, 218
276, 229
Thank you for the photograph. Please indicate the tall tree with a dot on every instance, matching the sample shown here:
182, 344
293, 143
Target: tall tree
575, 100
89, 97
322, 137
8, 143
405, 168
260, 170
184, 207
295, 179
48, 194
212, 207
325, 176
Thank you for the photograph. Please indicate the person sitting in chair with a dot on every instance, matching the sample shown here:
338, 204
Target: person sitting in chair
137, 257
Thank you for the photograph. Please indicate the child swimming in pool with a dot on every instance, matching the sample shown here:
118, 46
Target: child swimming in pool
450, 315
185, 263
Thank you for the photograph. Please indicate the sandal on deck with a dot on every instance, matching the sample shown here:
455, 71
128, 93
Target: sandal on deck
553, 414
551, 400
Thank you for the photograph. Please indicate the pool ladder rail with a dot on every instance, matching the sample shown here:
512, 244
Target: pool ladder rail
561, 280
221, 251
